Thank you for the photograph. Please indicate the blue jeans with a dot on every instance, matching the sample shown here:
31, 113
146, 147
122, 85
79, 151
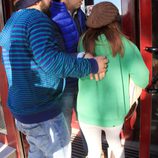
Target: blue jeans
68, 101
48, 139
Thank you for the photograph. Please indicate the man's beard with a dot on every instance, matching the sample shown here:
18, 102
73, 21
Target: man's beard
45, 8
47, 12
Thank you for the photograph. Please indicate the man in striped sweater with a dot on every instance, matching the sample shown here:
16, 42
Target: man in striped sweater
36, 65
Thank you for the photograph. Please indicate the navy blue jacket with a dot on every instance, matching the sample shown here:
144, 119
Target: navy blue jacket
71, 26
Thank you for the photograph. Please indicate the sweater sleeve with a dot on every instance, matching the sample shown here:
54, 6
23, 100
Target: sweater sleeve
137, 68
47, 47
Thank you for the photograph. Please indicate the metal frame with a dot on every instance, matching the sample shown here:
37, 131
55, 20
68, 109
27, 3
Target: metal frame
146, 100
12, 138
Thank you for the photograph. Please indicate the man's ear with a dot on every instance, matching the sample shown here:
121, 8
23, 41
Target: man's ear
38, 2
16, 4
15, 1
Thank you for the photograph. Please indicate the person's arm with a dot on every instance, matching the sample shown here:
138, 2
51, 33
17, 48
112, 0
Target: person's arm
139, 72
46, 45
86, 55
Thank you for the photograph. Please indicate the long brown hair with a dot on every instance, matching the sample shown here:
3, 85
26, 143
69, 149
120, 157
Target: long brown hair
113, 35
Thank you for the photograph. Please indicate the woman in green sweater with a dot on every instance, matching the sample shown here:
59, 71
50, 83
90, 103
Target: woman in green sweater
103, 104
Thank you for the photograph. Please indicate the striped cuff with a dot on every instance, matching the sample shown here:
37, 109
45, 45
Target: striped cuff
94, 66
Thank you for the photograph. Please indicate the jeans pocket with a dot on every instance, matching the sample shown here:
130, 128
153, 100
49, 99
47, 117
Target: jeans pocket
29, 129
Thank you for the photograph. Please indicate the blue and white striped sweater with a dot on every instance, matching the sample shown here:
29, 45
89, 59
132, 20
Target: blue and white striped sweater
35, 63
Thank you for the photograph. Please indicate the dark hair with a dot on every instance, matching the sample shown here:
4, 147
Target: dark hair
113, 35
57, 0
21, 4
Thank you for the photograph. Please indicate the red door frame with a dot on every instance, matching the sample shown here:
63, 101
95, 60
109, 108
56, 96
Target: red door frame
12, 136
145, 7
144, 27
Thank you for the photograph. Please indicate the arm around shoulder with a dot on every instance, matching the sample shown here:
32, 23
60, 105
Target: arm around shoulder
48, 52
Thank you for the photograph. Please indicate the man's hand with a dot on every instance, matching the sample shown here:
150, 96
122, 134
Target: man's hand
102, 65
88, 55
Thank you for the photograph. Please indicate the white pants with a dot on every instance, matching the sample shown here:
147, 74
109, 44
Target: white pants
92, 135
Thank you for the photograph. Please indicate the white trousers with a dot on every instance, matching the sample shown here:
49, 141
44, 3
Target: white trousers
92, 135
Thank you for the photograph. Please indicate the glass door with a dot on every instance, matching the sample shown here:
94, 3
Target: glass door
153, 88
149, 108
2, 122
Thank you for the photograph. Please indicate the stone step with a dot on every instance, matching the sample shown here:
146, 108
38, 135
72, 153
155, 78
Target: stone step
7, 151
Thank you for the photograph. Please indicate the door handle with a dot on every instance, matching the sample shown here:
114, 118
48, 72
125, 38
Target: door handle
152, 91
153, 50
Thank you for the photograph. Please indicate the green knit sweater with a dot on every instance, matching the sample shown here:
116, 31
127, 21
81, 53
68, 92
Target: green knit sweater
106, 102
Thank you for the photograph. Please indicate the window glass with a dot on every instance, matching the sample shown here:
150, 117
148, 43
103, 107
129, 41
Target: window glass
88, 5
116, 2
2, 122
154, 121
